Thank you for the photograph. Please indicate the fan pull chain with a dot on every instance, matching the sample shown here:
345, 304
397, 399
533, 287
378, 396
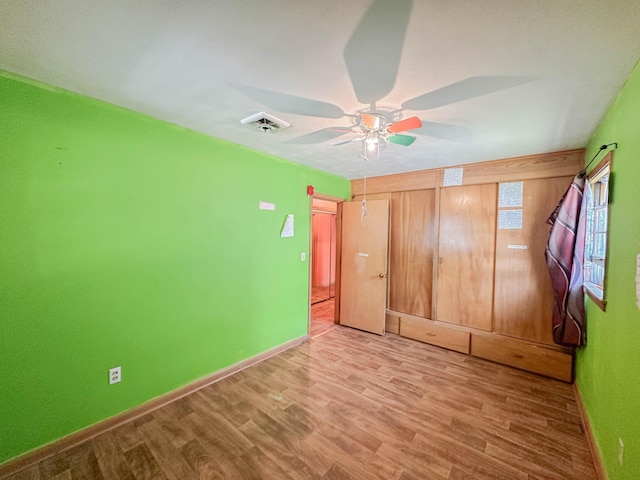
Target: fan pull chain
363, 215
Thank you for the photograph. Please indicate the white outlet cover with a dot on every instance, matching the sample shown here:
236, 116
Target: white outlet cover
115, 375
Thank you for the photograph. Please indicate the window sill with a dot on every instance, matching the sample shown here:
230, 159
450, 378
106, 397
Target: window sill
592, 291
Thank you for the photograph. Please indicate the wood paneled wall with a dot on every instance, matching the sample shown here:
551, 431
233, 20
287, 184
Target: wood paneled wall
412, 243
523, 296
489, 286
547, 165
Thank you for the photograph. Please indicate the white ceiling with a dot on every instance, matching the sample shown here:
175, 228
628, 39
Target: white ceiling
489, 78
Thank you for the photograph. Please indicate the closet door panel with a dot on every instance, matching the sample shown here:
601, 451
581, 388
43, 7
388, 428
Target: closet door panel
466, 255
412, 242
523, 302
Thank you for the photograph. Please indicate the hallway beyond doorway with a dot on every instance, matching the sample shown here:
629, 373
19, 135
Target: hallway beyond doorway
322, 315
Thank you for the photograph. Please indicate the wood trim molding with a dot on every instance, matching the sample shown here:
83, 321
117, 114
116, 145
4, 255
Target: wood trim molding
65, 443
330, 198
591, 440
544, 165
338, 266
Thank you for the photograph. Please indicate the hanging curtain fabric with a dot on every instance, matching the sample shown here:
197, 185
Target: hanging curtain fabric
564, 254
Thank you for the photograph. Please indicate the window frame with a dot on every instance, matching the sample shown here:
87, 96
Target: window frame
596, 248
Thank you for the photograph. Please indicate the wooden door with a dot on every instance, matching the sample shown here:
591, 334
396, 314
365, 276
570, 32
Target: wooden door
466, 255
523, 302
411, 250
363, 283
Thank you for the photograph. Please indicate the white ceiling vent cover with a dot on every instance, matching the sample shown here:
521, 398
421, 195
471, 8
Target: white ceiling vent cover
264, 122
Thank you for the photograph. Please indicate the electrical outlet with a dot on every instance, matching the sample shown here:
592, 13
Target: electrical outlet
620, 451
115, 375
303, 256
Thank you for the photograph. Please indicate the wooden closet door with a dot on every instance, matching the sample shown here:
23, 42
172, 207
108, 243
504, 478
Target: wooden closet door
412, 242
466, 255
523, 303
363, 283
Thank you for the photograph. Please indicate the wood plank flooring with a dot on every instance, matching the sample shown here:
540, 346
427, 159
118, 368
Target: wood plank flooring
348, 405
320, 293
322, 317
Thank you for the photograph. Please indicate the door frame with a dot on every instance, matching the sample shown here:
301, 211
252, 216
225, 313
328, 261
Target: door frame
339, 201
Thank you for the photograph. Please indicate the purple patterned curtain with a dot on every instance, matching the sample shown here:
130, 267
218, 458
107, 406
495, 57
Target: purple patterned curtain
565, 254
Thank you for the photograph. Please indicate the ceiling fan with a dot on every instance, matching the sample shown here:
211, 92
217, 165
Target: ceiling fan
376, 127
381, 31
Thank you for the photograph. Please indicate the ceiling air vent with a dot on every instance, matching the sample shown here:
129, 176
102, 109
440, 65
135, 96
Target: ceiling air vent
264, 122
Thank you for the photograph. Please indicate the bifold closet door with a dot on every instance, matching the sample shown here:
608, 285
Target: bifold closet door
466, 255
412, 244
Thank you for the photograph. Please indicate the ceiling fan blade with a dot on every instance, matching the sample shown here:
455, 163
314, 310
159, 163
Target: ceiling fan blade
399, 139
464, 90
320, 136
404, 125
373, 52
348, 141
291, 103
446, 131
372, 122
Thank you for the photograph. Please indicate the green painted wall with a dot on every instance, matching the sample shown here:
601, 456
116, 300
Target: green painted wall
608, 367
125, 240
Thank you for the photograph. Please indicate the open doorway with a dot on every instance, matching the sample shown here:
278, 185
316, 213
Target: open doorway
323, 266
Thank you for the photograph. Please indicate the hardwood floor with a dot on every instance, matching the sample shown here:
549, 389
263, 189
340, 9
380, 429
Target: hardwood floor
322, 317
349, 405
320, 293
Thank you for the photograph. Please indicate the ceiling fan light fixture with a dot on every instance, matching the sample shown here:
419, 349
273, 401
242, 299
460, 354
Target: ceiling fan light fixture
372, 141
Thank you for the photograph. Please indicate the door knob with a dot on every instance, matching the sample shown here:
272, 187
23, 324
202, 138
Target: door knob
381, 275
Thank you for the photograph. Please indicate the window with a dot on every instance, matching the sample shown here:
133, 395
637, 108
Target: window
597, 221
